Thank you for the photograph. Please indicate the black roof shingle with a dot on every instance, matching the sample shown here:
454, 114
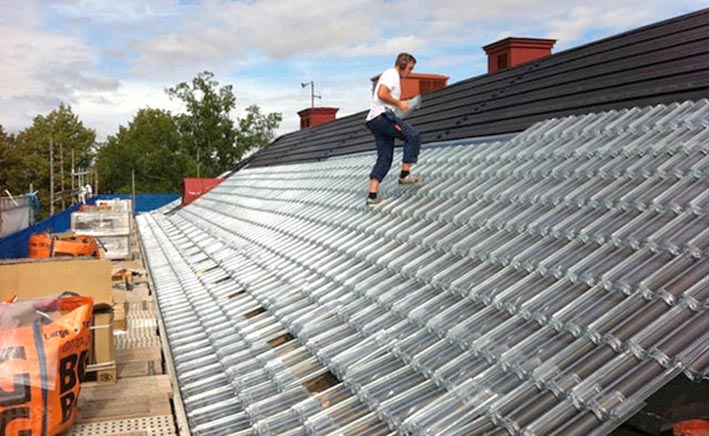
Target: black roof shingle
656, 64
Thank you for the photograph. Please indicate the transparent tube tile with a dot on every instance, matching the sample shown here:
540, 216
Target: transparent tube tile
523, 261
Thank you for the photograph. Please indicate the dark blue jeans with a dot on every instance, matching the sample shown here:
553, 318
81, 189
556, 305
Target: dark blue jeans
386, 128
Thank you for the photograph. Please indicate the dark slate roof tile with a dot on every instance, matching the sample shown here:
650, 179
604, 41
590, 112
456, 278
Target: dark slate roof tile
660, 63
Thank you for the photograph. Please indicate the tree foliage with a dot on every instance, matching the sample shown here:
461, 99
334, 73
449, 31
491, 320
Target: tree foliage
8, 160
28, 155
208, 131
163, 148
151, 146
256, 130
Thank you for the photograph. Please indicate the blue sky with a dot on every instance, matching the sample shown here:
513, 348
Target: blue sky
109, 59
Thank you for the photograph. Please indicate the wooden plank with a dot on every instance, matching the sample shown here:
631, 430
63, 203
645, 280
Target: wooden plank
139, 369
129, 387
132, 264
119, 316
137, 362
100, 376
138, 354
136, 406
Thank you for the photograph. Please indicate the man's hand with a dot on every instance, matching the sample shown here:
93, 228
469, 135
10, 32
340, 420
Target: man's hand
404, 105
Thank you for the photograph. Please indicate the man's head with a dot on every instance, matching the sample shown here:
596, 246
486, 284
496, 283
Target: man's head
405, 64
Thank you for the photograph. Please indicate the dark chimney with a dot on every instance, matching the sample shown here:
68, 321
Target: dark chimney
313, 116
510, 52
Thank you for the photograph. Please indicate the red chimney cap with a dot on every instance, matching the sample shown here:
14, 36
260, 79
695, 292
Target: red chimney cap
318, 110
519, 43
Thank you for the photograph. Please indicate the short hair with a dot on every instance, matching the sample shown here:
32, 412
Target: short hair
403, 59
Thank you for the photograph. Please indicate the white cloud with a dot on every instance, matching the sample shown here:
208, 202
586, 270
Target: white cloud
28, 13
445, 61
218, 32
284, 28
391, 47
450, 17
110, 12
105, 110
349, 96
568, 20
42, 69
173, 55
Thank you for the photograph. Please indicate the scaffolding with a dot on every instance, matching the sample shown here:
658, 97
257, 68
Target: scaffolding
84, 181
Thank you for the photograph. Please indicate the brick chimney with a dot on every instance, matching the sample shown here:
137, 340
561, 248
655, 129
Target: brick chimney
418, 83
313, 116
510, 52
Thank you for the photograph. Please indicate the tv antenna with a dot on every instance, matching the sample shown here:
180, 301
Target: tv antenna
311, 84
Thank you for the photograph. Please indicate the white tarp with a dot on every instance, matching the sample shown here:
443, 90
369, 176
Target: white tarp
15, 215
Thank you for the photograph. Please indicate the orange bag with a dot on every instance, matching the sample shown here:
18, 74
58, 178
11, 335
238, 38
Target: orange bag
44, 245
44, 350
40, 246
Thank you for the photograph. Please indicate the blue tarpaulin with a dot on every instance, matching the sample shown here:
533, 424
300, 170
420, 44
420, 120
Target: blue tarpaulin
14, 246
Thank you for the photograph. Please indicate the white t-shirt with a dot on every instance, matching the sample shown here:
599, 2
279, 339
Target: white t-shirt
390, 79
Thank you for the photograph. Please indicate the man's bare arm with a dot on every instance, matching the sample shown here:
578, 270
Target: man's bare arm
384, 95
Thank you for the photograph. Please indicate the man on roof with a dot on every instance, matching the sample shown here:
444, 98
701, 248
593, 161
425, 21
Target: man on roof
386, 127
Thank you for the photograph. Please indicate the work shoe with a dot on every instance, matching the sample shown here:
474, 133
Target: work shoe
375, 201
410, 180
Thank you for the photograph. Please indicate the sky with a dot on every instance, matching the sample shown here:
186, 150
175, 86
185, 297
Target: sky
108, 59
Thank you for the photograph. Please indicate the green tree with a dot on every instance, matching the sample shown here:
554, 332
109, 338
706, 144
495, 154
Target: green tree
208, 129
31, 152
8, 160
151, 146
162, 149
256, 130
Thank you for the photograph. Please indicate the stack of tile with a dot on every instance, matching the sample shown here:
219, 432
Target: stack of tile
110, 224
